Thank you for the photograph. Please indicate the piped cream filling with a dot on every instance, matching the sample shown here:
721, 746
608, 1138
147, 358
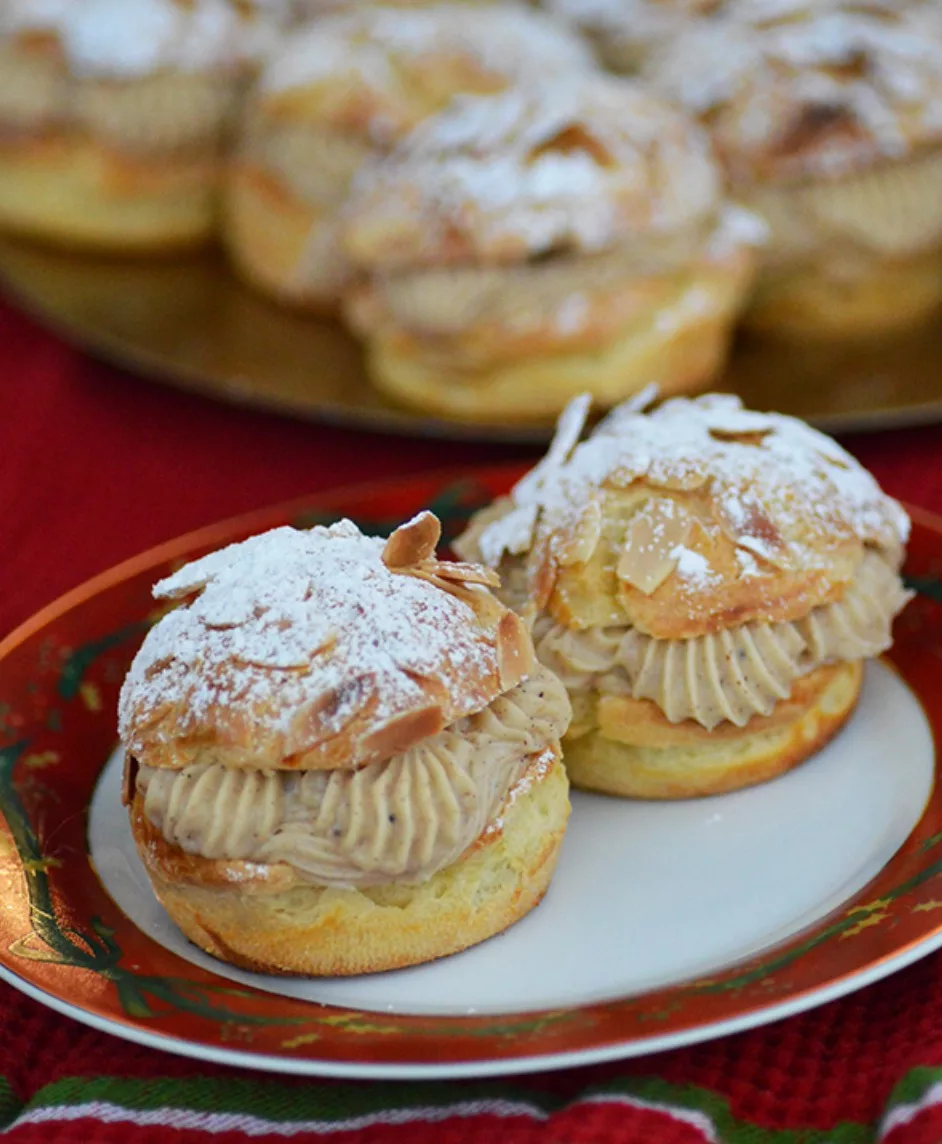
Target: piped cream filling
399, 820
734, 674
893, 211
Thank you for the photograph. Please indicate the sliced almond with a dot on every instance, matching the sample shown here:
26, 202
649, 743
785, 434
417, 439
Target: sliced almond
652, 536
745, 523
413, 542
460, 573
578, 547
515, 656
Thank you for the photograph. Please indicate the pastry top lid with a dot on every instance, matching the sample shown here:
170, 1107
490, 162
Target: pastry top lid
632, 24
31, 15
577, 165
378, 71
794, 89
124, 39
698, 516
320, 649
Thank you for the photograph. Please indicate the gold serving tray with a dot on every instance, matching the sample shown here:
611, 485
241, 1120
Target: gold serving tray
189, 322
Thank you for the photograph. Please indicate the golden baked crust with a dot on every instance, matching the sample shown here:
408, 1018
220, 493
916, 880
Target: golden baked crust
576, 167
280, 244
795, 89
73, 191
634, 752
696, 517
318, 650
686, 350
265, 919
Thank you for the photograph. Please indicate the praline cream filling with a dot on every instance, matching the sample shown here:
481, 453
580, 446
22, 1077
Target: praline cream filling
399, 820
892, 211
564, 296
735, 674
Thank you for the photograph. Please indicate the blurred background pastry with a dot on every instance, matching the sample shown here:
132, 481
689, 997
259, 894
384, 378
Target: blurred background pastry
341, 755
344, 90
120, 123
706, 581
827, 118
628, 34
526, 247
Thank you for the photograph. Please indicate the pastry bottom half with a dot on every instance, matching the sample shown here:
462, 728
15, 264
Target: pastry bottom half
73, 191
629, 748
266, 919
281, 245
682, 348
890, 296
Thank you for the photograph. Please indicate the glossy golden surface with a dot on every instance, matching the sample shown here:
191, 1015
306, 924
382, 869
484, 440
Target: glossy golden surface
189, 322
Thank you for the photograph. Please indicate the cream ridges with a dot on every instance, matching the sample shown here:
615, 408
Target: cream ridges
702, 557
734, 674
526, 246
343, 90
401, 819
828, 120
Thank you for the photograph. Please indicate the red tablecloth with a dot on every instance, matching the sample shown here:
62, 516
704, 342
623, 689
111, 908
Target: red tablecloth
96, 465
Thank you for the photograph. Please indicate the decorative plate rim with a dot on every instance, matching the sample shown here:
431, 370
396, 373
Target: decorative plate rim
499, 1045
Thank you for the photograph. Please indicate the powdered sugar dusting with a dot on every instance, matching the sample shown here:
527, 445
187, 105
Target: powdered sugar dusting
691, 565
765, 70
293, 622
371, 47
774, 481
574, 164
126, 38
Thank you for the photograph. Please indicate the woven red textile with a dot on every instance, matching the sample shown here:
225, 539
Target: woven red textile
96, 465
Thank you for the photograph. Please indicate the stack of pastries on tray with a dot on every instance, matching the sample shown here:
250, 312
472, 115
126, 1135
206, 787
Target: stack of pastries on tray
346, 755
502, 223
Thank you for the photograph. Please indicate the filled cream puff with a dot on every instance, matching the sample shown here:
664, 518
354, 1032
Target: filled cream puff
342, 91
113, 126
708, 583
341, 754
521, 248
827, 118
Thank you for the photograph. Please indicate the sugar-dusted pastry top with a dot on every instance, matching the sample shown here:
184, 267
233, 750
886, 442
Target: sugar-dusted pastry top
795, 89
574, 165
378, 71
625, 31
130, 38
694, 518
318, 649
31, 15
399, 819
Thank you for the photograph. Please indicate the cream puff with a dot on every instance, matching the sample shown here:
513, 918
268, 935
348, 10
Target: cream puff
341, 754
117, 140
342, 91
521, 248
707, 581
828, 120
628, 35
